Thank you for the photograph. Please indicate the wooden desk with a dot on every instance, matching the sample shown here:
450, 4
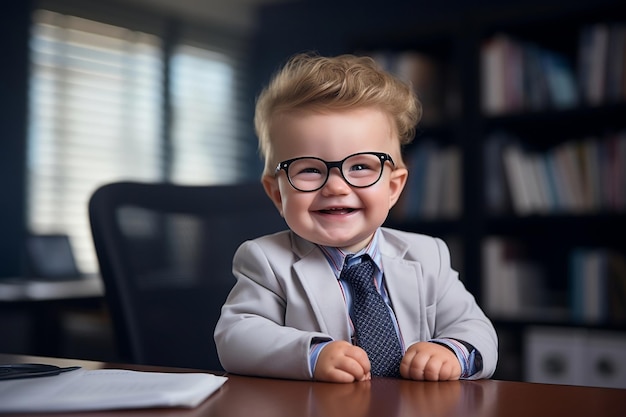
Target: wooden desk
382, 397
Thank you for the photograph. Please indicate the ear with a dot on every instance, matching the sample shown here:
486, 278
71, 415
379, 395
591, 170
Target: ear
397, 181
270, 184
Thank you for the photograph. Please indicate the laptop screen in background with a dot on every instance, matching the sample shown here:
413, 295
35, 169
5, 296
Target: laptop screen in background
51, 257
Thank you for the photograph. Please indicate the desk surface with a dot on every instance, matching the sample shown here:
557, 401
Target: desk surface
24, 289
382, 397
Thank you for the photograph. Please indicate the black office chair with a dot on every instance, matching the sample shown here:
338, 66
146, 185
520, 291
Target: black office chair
165, 253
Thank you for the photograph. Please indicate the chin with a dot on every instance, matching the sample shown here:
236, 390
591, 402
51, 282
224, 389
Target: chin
336, 243
352, 245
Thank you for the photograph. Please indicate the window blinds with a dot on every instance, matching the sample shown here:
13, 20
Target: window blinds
205, 138
97, 116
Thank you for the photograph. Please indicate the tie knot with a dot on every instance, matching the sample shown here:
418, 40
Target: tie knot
351, 260
358, 270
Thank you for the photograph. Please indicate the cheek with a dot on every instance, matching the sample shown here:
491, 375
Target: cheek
378, 198
286, 197
293, 205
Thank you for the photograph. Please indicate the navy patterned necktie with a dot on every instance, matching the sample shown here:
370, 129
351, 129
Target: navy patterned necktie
374, 328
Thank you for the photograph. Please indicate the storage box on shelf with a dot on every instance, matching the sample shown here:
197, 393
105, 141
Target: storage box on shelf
575, 357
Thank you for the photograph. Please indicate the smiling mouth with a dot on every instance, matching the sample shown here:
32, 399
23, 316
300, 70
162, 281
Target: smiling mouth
342, 210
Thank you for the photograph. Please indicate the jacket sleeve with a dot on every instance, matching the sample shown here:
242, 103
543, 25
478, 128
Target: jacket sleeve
251, 336
459, 316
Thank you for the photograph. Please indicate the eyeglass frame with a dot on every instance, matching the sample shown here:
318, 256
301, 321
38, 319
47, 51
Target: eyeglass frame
382, 157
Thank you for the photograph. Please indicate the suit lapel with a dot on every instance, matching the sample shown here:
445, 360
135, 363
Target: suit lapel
403, 280
322, 289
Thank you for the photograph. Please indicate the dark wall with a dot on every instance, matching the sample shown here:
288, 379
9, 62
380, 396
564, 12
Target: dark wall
14, 27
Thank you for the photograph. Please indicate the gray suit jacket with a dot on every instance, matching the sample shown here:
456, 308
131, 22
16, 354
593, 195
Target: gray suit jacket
286, 295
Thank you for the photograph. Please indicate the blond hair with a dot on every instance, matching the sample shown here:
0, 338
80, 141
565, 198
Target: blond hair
312, 82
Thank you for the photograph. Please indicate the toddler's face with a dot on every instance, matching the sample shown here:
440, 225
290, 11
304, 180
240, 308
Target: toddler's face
337, 214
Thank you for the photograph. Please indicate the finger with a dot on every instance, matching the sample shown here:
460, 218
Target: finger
355, 368
360, 356
338, 375
455, 370
445, 372
432, 370
340, 371
405, 364
418, 366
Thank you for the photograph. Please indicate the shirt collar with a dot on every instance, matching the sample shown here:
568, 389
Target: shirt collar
336, 256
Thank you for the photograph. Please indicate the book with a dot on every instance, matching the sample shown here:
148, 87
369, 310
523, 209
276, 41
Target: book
423, 74
560, 80
451, 183
492, 74
568, 171
537, 94
593, 285
433, 186
492, 283
516, 173
433, 189
496, 188
597, 285
592, 184
106, 389
538, 184
593, 56
409, 207
513, 284
616, 65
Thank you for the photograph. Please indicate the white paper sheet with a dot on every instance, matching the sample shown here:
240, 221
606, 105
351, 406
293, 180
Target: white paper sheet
105, 389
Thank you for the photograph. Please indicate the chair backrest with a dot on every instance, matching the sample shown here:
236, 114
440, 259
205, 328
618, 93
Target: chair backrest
165, 254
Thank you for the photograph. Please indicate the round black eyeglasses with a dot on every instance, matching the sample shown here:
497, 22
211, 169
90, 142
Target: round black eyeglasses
360, 170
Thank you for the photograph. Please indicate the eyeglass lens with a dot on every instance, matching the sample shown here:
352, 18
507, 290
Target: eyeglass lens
361, 170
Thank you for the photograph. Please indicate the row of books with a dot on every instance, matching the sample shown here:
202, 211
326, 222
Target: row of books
597, 285
515, 286
433, 189
517, 75
578, 176
435, 86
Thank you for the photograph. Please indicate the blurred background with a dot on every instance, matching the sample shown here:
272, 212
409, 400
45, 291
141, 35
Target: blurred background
518, 162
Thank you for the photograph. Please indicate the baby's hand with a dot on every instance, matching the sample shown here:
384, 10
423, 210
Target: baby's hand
430, 362
339, 361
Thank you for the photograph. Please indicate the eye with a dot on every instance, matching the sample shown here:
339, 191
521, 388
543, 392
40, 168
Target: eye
362, 164
360, 167
308, 170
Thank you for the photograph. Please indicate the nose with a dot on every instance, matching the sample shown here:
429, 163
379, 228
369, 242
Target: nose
335, 184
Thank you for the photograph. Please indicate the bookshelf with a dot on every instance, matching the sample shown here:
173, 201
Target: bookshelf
537, 234
553, 139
